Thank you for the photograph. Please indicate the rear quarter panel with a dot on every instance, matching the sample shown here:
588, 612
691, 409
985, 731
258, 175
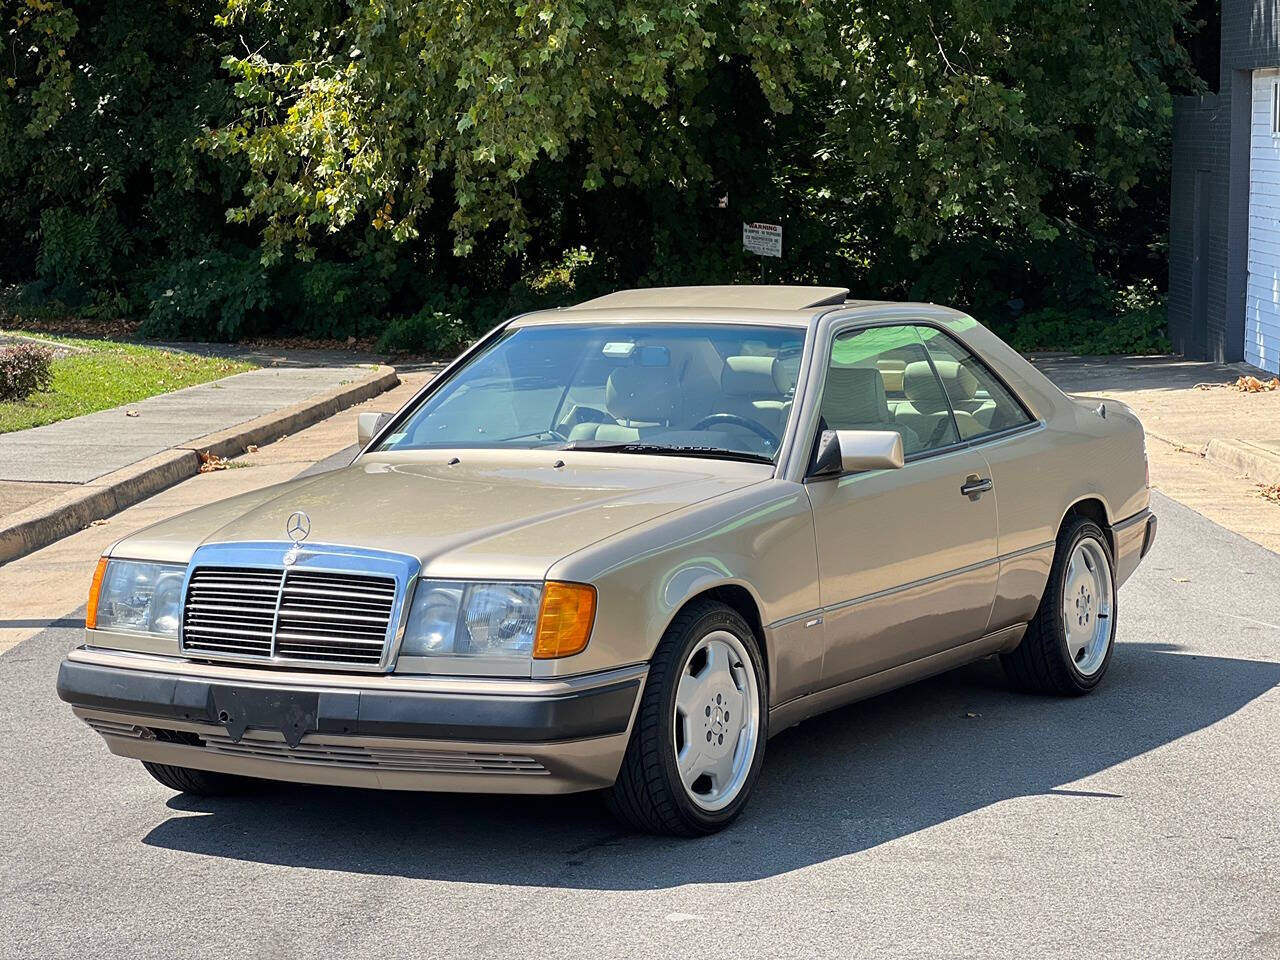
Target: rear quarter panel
1077, 454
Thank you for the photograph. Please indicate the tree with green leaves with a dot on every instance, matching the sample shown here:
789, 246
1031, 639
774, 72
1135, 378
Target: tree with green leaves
460, 156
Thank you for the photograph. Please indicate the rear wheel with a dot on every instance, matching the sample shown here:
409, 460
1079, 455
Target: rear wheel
1067, 647
698, 741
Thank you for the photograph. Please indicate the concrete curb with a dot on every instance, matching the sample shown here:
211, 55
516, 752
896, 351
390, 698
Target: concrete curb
1255, 462
42, 523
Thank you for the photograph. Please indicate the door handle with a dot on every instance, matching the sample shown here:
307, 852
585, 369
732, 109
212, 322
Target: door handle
975, 486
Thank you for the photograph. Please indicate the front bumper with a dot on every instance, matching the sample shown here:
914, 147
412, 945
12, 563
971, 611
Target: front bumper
420, 733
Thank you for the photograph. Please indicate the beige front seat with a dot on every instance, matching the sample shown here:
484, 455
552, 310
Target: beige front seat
641, 399
854, 399
755, 388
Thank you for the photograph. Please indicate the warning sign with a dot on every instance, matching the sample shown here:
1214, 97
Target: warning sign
764, 239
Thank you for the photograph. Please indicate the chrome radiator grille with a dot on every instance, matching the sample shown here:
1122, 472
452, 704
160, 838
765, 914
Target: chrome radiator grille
333, 616
231, 610
298, 615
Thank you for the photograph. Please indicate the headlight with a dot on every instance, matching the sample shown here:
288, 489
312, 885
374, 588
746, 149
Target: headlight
136, 597
513, 620
451, 619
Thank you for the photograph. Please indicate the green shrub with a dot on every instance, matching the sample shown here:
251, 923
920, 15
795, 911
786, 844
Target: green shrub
432, 331
24, 369
79, 255
1134, 321
452, 316
327, 300
216, 296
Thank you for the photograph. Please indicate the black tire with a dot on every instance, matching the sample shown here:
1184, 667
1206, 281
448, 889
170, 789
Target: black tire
205, 783
648, 794
1040, 663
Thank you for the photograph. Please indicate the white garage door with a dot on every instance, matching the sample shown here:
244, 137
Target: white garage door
1262, 301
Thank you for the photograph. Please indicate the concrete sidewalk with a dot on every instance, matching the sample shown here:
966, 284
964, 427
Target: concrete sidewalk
1211, 447
84, 448
57, 478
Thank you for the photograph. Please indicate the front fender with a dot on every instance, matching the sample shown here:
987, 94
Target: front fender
759, 538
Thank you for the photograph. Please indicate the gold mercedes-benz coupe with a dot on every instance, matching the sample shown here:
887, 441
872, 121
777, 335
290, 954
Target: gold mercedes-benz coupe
616, 546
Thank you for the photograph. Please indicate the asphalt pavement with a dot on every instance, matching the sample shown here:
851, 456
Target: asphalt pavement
952, 818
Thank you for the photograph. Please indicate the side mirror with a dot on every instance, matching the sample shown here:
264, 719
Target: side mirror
851, 451
369, 424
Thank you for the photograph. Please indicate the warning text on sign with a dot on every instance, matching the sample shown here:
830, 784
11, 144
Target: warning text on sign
764, 239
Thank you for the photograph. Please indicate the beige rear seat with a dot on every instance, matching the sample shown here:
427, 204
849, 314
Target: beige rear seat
926, 409
891, 371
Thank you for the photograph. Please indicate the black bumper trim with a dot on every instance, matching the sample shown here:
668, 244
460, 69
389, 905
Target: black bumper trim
295, 711
1149, 536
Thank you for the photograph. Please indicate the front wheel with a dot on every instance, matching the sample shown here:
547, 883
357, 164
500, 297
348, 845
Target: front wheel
203, 783
698, 741
1067, 646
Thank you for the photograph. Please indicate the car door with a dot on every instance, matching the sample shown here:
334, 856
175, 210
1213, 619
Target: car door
992, 418
907, 557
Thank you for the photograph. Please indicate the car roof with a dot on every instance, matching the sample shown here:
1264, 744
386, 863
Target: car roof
748, 296
739, 303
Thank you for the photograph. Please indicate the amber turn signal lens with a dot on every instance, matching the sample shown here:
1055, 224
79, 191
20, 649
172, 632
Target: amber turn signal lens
564, 622
95, 588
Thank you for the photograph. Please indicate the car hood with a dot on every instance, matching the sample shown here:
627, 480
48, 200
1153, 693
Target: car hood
509, 514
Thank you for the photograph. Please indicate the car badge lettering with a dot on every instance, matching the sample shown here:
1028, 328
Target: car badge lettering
297, 528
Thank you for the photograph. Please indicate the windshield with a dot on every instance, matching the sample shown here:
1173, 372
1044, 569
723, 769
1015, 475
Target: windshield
683, 389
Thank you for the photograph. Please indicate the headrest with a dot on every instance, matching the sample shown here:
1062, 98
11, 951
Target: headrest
647, 394
854, 395
892, 371
753, 377
959, 380
921, 386
786, 372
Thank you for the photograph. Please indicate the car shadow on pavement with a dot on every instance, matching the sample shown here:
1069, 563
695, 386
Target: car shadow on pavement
848, 781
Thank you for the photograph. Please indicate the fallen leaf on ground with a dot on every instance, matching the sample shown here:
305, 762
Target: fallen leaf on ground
1270, 492
96, 523
970, 716
131, 413
251, 448
1254, 385
210, 463
1181, 579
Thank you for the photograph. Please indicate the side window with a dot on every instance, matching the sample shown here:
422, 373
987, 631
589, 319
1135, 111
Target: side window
982, 404
880, 378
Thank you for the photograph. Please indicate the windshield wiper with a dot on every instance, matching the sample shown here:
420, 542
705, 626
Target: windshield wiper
663, 450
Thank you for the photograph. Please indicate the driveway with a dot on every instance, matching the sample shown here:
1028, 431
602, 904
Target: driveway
949, 819
1187, 410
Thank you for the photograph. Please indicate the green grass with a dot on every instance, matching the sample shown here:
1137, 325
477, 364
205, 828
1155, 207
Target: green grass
108, 375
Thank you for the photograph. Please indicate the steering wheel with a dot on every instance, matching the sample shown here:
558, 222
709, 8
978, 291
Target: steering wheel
755, 426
